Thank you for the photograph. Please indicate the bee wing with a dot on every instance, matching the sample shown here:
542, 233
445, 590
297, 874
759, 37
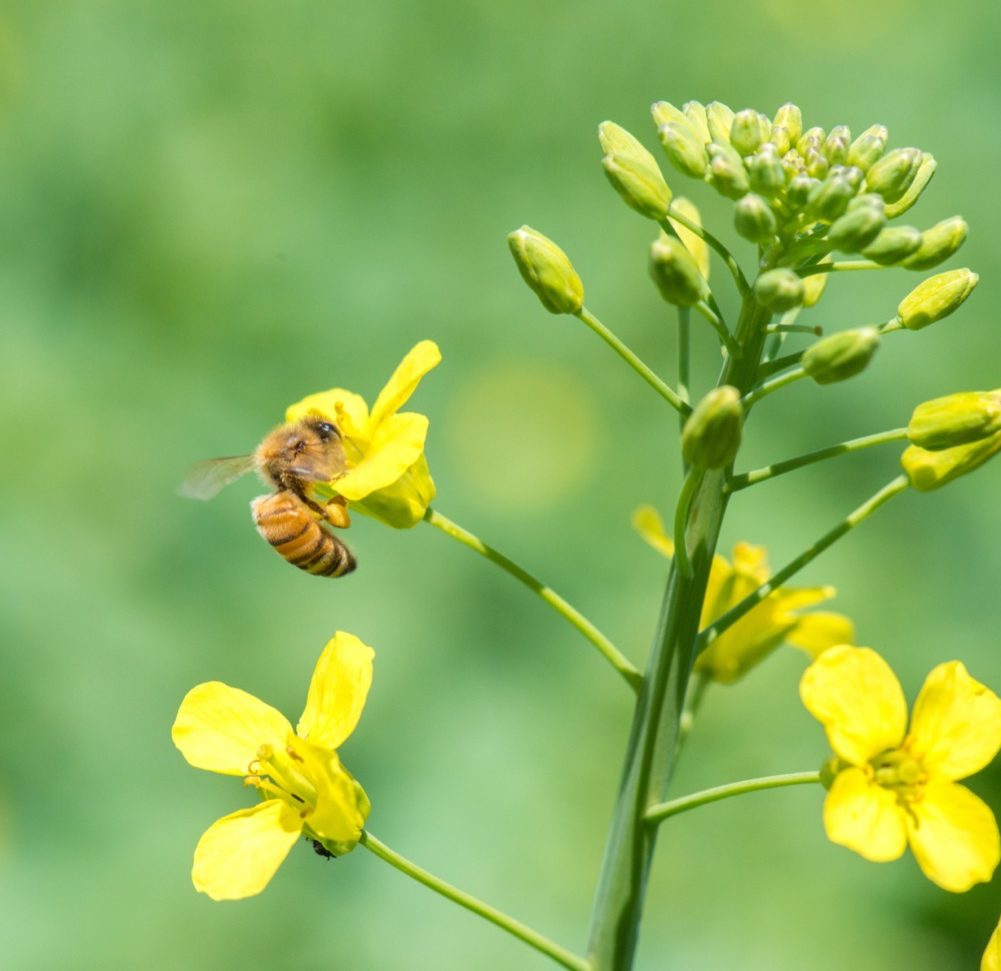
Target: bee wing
207, 478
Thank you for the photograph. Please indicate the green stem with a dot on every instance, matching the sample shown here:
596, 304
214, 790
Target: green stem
816, 329
731, 264
514, 927
672, 807
745, 479
694, 696
607, 649
684, 358
718, 325
884, 495
773, 384
842, 267
681, 511
645, 372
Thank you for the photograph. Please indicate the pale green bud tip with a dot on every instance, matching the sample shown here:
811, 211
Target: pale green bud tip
664, 113
745, 131
929, 470
683, 148
547, 270
857, 228
936, 298
711, 435
893, 244
921, 180
754, 219
779, 290
790, 118
938, 244
841, 356
726, 169
956, 419
893, 174
642, 188
676, 273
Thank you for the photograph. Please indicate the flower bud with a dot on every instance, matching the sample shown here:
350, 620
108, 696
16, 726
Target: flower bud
956, 419
925, 172
779, 290
929, 470
664, 113
615, 140
936, 298
841, 355
811, 138
765, 171
855, 177
642, 188
754, 218
779, 137
695, 245
892, 245
676, 273
799, 189
726, 170
857, 228
893, 174
829, 200
790, 118
836, 145
683, 149
745, 131
547, 270
719, 118
711, 435
938, 244
817, 165
695, 112
793, 165
868, 148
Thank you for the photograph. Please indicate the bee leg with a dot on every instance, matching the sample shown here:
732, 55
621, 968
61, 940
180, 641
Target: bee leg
336, 512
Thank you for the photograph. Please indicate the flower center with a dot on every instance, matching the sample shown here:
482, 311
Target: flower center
901, 773
280, 775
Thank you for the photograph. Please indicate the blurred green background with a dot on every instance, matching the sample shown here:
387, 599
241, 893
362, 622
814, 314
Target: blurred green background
208, 210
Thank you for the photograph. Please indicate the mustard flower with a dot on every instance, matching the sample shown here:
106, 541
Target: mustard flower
992, 956
776, 620
895, 787
387, 475
305, 791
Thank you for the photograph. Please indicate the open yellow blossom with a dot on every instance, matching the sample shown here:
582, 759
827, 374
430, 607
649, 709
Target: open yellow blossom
305, 789
895, 787
387, 475
776, 620
992, 956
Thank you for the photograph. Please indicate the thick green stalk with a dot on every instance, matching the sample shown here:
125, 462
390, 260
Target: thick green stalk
654, 734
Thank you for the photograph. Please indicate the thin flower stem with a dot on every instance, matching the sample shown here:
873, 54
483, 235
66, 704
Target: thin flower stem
773, 384
692, 482
816, 329
884, 495
608, 650
684, 358
718, 325
645, 372
514, 927
697, 687
731, 264
745, 479
660, 812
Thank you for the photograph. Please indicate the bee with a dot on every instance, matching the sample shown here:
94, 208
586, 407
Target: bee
290, 458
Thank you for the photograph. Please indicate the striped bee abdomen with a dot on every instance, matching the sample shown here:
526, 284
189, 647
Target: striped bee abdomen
285, 521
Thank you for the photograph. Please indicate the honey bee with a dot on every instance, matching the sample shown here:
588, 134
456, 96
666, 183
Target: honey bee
290, 458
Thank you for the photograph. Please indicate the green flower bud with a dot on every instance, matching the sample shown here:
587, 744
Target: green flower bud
893, 174
642, 188
745, 131
547, 270
754, 219
790, 118
664, 113
615, 140
935, 298
780, 138
764, 126
765, 171
793, 165
836, 145
726, 171
813, 288
841, 355
868, 148
800, 189
854, 176
956, 419
817, 165
676, 272
779, 290
892, 245
711, 435
938, 244
719, 118
683, 149
925, 172
811, 138
856, 229
829, 200
929, 470
695, 112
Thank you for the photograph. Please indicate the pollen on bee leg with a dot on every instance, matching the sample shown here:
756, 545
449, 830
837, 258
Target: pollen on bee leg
336, 512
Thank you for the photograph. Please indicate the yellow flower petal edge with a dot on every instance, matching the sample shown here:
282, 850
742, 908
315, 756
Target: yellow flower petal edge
865, 817
820, 631
341, 805
992, 953
404, 380
855, 695
220, 728
647, 522
396, 445
337, 691
956, 724
239, 854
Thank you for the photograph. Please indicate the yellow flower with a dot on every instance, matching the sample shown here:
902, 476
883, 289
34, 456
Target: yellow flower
992, 956
895, 787
387, 475
774, 621
304, 788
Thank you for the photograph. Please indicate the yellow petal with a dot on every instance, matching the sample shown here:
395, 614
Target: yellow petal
790, 599
404, 381
719, 591
397, 444
402, 505
220, 728
853, 693
956, 724
954, 837
345, 409
751, 563
820, 631
647, 522
992, 955
341, 804
865, 817
337, 692
238, 855
694, 244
